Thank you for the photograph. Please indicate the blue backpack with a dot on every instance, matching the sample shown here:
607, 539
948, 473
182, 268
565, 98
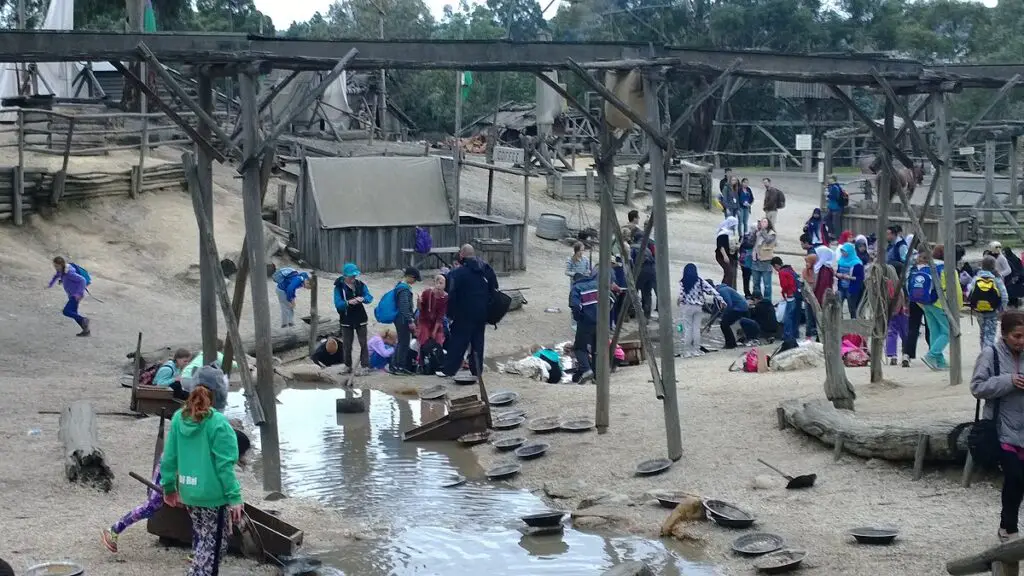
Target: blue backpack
387, 307
920, 288
82, 272
281, 275
424, 242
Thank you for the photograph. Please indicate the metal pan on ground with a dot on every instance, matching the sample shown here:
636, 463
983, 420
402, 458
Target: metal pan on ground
508, 443
435, 392
502, 398
669, 499
56, 569
874, 535
531, 451
542, 530
544, 425
578, 425
780, 561
464, 379
513, 413
453, 481
544, 519
503, 471
508, 423
474, 438
653, 467
793, 482
758, 543
727, 515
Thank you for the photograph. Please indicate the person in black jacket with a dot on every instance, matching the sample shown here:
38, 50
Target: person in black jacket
763, 313
350, 299
470, 287
405, 322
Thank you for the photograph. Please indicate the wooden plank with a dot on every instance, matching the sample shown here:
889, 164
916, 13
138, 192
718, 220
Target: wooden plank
61, 177
314, 313
1012, 551
136, 368
992, 103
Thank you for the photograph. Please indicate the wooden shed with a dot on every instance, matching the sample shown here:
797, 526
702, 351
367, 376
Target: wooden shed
366, 210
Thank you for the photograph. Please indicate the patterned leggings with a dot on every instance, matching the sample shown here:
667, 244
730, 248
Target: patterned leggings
145, 510
209, 527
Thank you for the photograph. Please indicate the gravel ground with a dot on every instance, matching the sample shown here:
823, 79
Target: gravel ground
139, 254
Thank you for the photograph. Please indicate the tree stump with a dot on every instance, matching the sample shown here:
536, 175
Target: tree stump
83, 458
838, 388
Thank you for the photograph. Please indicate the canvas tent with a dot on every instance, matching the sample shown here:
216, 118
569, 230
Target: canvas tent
54, 77
334, 100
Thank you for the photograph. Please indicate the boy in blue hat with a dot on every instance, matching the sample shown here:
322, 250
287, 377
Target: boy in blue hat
350, 297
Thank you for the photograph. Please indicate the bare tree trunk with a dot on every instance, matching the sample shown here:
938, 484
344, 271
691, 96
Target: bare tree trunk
84, 461
838, 388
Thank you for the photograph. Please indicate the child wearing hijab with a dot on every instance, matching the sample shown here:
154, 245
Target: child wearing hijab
824, 274
850, 273
727, 249
819, 233
693, 293
861, 244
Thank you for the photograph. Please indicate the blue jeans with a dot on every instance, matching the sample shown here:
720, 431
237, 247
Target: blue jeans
743, 214
71, 311
938, 326
761, 276
791, 320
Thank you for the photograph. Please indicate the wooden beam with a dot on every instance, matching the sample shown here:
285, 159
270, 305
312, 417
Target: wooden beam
697, 102
778, 144
870, 123
569, 99
170, 112
665, 288
619, 105
502, 169
253, 213
61, 178
209, 244
908, 123
1012, 551
1010, 85
202, 117
267, 99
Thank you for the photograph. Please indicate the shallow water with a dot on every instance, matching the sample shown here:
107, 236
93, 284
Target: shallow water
360, 464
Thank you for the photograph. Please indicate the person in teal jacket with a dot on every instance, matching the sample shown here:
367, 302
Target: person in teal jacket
198, 471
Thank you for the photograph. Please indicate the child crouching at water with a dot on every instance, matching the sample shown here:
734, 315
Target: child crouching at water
382, 348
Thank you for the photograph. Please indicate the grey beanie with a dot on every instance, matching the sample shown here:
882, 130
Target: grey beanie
213, 379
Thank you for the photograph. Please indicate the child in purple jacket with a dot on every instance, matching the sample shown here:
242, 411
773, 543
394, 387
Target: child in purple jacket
75, 286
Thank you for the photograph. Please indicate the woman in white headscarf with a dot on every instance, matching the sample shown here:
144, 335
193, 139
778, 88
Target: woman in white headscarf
824, 272
727, 244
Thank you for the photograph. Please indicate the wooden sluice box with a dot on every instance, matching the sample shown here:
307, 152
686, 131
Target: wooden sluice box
277, 536
465, 415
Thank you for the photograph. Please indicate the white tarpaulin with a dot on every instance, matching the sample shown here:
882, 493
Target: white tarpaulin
54, 77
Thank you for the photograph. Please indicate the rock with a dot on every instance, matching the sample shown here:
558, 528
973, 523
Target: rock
629, 569
304, 373
874, 463
604, 498
763, 482
589, 522
682, 532
564, 489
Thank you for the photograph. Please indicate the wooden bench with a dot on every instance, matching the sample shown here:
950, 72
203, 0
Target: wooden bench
1002, 560
442, 255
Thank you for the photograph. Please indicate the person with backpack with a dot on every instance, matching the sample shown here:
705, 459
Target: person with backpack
404, 320
922, 291
837, 200
774, 200
727, 245
899, 318
197, 471
351, 296
745, 199
998, 380
169, 374
789, 282
647, 276
850, 272
75, 281
470, 287
288, 282
986, 295
896, 250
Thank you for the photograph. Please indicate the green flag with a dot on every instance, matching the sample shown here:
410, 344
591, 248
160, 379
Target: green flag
467, 81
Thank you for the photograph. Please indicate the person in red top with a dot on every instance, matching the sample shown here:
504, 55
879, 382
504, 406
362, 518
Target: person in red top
825, 274
789, 280
433, 306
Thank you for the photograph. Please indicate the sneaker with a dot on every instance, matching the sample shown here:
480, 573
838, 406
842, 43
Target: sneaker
361, 371
109, 538
905, 362
699, 353
190, 558
688, 354
441, 374
892, 360
85, 328
931, 362
399, 372
344, 369
586, 377
1005, 536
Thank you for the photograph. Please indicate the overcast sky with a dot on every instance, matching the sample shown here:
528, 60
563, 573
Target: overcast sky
284, 12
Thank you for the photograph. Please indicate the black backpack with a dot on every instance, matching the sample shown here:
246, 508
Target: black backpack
983, 439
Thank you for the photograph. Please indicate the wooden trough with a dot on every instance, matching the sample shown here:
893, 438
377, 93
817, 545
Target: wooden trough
278, 537
465, 415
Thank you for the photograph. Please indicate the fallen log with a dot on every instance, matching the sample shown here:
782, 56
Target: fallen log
283, 341
83, 458
883, 440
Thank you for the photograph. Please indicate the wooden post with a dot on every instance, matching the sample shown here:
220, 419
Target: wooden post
990, 187
602, 352
919, 455
588, 189
665, 297
144, 144
260, 304
490, 188
949, 239
526, 215
884, 200
61, 177
1013, 171
837, 448
18, 196
457, 152
136, 368
314, 314
282, 190
631, 182
207, 268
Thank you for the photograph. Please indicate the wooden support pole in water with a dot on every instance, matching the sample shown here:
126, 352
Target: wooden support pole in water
673, 432
207, 268
253, 208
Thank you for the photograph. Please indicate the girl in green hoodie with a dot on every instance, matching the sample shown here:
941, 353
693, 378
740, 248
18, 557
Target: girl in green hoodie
198, 471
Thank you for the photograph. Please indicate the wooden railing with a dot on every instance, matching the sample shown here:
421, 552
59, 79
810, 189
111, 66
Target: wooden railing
1002, 560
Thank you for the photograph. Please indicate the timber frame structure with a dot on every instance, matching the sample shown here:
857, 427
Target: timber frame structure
252, 146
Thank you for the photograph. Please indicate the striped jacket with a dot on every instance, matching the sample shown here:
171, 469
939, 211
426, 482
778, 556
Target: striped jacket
583, 300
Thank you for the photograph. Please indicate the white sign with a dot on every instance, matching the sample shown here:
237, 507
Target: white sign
803, 142
509, 155
966, 151
821, 172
